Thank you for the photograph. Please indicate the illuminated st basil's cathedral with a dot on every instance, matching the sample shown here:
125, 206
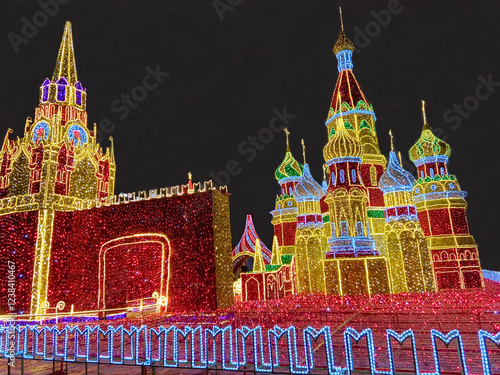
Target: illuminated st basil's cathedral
370, 227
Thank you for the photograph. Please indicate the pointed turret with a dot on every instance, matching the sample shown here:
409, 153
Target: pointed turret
350, 105
247, 246
64, 87
258, 262
276, 258
66, 65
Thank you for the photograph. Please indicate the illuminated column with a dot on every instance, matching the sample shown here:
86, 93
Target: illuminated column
441, 209
346, 196
407, 252
41, 269
288, 175
309, 236
350, 104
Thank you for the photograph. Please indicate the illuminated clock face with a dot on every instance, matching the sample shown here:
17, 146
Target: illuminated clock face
41, 131
77, 134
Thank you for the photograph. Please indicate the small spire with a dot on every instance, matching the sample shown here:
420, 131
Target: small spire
258, 262
392, 140
400, 159
424, 115
324, 172
287, 134
112, 150
6, 139
303, 150
190, 183
341, 19
276, 255
65, 65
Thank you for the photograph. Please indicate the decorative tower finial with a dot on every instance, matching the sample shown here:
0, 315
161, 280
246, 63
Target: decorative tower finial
6, 139
303, 150
190, 176
341, 20
287, 134
65, 65
424, 115
400, 159
392, 140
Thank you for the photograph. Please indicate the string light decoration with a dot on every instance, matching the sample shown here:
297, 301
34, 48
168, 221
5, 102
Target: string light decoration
233, 349
406, 247
350, 104
284, 215
248, 245
72, 239
374, 229
441, 209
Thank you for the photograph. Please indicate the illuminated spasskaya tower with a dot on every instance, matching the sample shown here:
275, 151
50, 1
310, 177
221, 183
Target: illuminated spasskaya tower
72, 240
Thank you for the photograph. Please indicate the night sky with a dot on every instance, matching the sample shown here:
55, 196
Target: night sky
230, 71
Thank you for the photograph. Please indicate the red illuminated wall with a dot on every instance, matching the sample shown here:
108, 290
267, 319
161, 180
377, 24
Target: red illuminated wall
18, 241
186, 221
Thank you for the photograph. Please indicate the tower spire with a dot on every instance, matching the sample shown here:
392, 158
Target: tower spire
392, 140
303, 150
341, 19
65, 65
424, 115
287, 132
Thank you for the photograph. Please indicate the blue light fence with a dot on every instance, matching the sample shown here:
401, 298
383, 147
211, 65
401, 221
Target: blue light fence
280, 349
492, 275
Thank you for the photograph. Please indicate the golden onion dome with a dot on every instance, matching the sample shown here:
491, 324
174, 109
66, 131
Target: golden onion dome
342, 144
428, 145
343, 43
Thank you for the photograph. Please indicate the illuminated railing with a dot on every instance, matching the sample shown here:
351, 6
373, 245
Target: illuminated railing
64, 203
165, 192
241, 349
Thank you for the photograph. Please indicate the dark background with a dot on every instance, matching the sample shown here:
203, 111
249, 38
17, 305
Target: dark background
227, 76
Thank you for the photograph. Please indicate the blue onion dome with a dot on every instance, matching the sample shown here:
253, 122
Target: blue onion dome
289, 167
396, 178
342, 144
308, 188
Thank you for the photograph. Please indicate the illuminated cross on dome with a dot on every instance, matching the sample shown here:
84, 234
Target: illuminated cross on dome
303, 150
287, 134
423, 112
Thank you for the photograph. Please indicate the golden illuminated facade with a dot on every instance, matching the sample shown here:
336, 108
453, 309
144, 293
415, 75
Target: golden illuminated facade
57, 165
407, 252
370, 229
310, 241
